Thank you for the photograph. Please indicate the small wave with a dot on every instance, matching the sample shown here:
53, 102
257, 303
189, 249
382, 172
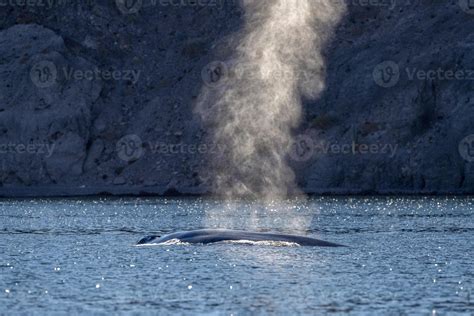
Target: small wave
78, 231
270, 243
171, 242
267, 243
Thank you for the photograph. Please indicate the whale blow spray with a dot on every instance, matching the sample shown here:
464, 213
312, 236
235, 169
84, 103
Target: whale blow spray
277, 62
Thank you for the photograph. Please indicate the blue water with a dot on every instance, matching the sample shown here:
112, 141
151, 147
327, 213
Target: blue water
407, 256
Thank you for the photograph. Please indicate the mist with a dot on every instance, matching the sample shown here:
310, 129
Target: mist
277, 62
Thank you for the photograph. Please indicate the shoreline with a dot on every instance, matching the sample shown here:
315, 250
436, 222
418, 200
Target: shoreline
141, 191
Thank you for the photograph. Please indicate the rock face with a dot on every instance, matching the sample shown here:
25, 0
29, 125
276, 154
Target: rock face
45, 119
97, 97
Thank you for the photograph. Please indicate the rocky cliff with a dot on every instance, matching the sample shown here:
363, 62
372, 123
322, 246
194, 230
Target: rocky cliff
99, 97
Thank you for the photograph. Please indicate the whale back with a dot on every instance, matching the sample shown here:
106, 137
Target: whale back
207, 236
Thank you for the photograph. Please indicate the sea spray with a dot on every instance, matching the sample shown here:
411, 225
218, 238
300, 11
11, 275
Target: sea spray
278, 61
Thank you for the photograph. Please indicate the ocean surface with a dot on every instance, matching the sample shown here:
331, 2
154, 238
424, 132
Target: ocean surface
405, 256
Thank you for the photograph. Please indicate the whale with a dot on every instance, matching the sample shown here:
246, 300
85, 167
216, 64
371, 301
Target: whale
210, 236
